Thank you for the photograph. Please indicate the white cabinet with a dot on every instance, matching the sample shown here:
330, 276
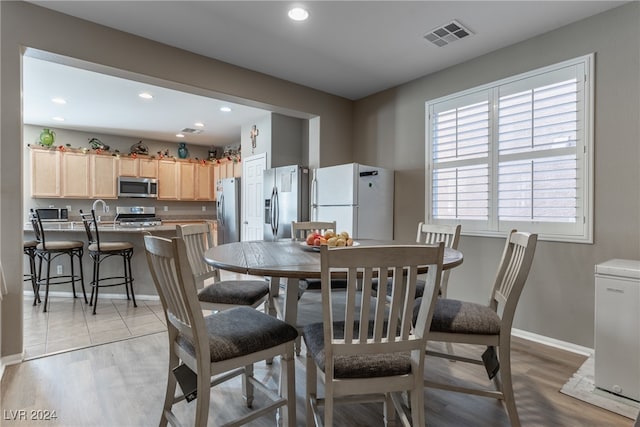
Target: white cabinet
617, 335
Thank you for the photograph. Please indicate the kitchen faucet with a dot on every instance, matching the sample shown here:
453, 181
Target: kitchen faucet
105, 207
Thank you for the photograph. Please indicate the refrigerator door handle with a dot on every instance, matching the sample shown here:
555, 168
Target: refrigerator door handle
276, 214
314, 197
221, 205
271, 210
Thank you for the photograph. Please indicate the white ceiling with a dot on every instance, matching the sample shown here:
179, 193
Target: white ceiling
347, 48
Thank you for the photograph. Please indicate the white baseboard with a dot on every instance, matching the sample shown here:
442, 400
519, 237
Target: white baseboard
143, 297
11, 359
552, 342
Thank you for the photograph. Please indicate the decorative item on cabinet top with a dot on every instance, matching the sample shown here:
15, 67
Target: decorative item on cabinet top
96, 144
47, 137
139, 148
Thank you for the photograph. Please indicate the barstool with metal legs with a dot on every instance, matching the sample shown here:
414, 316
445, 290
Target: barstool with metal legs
29, 249
47, 251
100, 251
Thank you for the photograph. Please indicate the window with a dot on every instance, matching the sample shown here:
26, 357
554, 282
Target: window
516, 153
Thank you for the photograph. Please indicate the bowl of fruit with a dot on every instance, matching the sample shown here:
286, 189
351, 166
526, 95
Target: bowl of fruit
330, 238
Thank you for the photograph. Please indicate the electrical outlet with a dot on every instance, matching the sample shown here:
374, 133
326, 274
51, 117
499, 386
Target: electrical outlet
165, 208
204, 208
59, 269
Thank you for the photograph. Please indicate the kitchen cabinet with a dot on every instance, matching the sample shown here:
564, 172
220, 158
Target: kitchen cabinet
168, 180
205, 182
75, 175
141, 167
104, 177
45, 173
148, 168
128, 166
187, 181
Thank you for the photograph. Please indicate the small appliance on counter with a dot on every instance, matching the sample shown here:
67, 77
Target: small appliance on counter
53, 214
137, 216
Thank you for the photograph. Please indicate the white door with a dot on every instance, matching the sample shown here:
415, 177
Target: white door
252, 199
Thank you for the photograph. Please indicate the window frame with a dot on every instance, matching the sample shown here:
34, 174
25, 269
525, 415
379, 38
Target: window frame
552, 231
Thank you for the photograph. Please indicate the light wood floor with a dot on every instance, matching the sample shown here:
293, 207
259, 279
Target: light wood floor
122, 384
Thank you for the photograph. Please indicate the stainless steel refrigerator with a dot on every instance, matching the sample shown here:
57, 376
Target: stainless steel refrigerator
358, 197
286, 199
228, 210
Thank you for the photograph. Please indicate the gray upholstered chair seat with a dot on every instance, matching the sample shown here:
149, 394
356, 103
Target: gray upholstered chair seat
240, 331
358, 366
60, 245
110, 246
236, 292
419, 287
453, 316
314, 284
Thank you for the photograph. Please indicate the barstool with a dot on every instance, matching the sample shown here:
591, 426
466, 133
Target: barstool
29, 249
100, 251
47, 252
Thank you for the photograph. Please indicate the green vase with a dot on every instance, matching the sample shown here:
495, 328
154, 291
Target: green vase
183, 152
47, 137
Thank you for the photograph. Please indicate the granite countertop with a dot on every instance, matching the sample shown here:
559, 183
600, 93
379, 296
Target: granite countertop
111, 226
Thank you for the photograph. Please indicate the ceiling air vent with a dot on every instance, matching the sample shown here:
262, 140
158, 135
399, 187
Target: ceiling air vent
191, 131
447, 34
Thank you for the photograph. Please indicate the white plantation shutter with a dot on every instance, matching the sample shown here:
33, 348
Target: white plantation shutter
515, 154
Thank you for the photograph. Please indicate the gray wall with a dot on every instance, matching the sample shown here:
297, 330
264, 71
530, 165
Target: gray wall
24, 25
558, 300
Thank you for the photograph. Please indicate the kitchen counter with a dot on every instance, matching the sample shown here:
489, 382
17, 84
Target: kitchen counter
111, 227
110, 231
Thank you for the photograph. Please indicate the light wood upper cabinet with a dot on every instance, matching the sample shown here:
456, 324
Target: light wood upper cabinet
187, 181
128, 166
168, 180
148, 168
205, 182
104, 177
139, 167
45, 173
237, 169
75, 175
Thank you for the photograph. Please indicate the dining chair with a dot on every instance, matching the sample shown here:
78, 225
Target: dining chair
489, 325
29, 249
372, 353
213, 293
299, 232
100, 251
209, 350
47, 251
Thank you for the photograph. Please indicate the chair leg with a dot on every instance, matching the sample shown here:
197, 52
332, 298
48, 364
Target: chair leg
417, 405
504, 352
46, 289
312, 388
130, 277
288, 386
247, 387
96, 283
170, 392
389, 412
125, 273
79, 254
73, 274
204, 395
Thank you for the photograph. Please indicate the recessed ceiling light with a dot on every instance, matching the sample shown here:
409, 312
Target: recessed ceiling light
199, 124
58, 119
225, 109
298, 14
145, 95
179, 135
59, 100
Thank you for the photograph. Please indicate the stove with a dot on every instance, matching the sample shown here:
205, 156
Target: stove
137, 216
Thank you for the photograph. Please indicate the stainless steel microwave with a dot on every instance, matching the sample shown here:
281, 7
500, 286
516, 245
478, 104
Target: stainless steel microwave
137, 187
53, 214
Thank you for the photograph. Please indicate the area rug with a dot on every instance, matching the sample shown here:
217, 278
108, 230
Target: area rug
581, 386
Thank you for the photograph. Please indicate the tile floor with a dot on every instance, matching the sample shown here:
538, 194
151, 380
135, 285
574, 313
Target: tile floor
69, 323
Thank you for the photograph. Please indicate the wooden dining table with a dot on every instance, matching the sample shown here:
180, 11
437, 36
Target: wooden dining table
292, 260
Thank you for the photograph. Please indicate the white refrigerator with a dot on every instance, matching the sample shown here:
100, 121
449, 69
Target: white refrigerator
358, 197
